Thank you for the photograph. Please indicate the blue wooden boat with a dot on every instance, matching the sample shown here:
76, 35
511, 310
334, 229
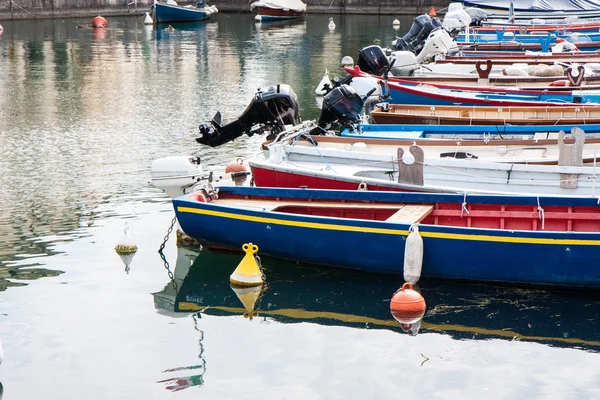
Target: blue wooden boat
513, 239
164, 12
501, 36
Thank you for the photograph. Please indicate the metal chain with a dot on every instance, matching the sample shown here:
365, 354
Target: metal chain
162, 256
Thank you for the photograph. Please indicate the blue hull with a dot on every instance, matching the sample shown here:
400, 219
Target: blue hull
391, 131
528, 257
448, 97
163, 13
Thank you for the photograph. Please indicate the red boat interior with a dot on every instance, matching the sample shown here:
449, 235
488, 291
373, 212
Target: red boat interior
494, 216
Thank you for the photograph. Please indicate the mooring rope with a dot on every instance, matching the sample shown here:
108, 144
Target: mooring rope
540, 212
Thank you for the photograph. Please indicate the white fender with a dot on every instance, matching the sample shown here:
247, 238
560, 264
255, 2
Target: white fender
413, 256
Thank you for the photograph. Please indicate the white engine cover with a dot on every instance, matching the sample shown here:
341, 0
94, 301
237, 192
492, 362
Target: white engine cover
175, 174
364, 85
439, 43
405, 63
456, 18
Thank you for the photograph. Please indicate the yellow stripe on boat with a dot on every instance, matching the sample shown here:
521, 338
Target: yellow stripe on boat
385, 231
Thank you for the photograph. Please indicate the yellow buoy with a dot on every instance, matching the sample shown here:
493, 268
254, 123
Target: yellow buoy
248, 272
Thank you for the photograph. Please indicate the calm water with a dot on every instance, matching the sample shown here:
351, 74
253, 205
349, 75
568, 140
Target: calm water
82, 116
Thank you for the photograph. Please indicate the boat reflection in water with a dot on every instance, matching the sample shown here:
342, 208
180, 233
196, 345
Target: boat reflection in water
296, 293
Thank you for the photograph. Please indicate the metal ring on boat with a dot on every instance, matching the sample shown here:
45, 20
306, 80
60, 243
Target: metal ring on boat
363, 186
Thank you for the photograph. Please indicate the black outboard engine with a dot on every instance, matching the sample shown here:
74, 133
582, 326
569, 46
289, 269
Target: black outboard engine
342, 106
269, 111
372, 59
414, 40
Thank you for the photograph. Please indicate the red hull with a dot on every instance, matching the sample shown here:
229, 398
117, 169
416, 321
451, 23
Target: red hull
277, 179
278, 12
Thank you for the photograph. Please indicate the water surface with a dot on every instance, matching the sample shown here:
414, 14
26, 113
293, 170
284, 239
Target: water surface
83, 113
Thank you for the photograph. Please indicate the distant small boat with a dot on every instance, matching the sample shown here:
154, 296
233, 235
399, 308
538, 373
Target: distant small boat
276, 10
170, 11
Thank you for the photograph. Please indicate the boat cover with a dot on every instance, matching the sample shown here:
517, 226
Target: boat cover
538, 5
295, 5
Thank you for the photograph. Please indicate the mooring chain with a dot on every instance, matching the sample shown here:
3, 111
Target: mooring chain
259, 263
162, 246
162, 256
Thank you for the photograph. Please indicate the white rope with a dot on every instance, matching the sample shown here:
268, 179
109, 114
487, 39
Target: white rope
540, 212
412, 227
464, 206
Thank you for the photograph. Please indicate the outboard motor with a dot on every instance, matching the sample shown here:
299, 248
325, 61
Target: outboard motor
413, 41
269, 111
372, 59
456, 19
342, 105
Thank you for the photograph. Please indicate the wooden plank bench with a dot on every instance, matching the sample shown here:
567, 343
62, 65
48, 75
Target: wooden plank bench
411, 213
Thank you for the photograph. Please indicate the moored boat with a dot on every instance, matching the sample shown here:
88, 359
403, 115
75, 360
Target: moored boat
431, 95
277, 10
451, 170
470, 115
552, 241
170, 11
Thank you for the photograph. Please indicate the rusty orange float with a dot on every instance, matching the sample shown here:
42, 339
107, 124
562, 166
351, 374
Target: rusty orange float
407, 305
99, 22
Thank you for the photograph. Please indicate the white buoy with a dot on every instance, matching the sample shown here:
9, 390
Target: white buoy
258, 18
331, 24
413, 256
148, 19
347, 61
320, 90
396, 23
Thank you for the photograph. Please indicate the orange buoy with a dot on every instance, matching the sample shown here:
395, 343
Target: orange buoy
407, 305
99, 22
236, 166
432, 12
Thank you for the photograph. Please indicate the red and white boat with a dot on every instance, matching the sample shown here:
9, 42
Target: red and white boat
277, 10
412, 168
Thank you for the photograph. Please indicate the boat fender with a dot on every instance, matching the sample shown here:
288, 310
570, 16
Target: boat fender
198, 196
514, 71
413, 255
560, 82
236, 165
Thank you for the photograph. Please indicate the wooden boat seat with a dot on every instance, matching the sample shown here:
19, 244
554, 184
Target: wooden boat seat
411, 213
